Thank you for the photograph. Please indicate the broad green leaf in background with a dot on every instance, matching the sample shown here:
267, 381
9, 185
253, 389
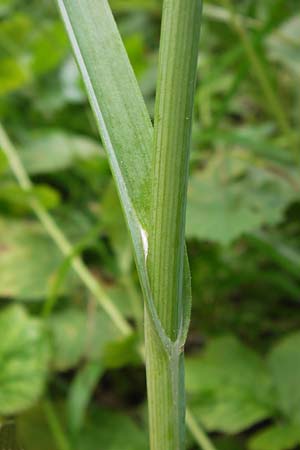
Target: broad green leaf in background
276, 437
24, 44
12, 75
111, 431
14, 199
68, 338
76, 335
51, 41
284, 362
53, 150
33, 429
111, 353
231, 197
14, 30
284, 44
8, 435
28, 260
5, 6
24, 355
122, 352
229, 386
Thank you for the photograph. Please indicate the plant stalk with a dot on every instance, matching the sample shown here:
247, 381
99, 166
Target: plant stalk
180, 34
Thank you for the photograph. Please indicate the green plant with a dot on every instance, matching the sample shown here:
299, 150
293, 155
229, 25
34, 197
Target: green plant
151, 180
66, 261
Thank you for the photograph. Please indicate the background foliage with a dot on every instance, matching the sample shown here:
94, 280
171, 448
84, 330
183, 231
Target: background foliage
65, 370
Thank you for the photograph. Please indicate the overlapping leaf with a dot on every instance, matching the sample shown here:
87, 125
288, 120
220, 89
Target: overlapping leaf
231, 197
229, 385
284, 362
76, 336
123, 122
276, 437
108, 430
28, 260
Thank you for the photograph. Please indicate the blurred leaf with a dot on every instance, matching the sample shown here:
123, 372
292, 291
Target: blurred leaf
24, 355
276, 437
122, 352
229, 386
12, 75
14, 31
111, 431
48, 47
231, 197
75, 336
68, 335
8, 438
53, 150
3, 162
81, 391
34, 432
13, 198
284, 44
5, 6
284, 361
30, 49
28, 260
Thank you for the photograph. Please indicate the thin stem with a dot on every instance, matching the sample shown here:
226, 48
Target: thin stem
55, 426
172, 130
198, 433
92, 284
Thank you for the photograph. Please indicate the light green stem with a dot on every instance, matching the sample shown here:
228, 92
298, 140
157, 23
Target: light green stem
55, 426
198, 433
172, 130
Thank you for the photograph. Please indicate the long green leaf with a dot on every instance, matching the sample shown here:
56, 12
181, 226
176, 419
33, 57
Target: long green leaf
120, 111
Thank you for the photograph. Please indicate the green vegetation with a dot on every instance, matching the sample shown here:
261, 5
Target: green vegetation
71, 318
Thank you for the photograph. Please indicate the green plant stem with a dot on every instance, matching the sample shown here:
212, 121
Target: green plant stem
198, 433
172, 129
258, 69
59, 238
66, 248
55, 426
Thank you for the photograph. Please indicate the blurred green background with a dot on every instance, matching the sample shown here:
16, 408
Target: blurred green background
67, 376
